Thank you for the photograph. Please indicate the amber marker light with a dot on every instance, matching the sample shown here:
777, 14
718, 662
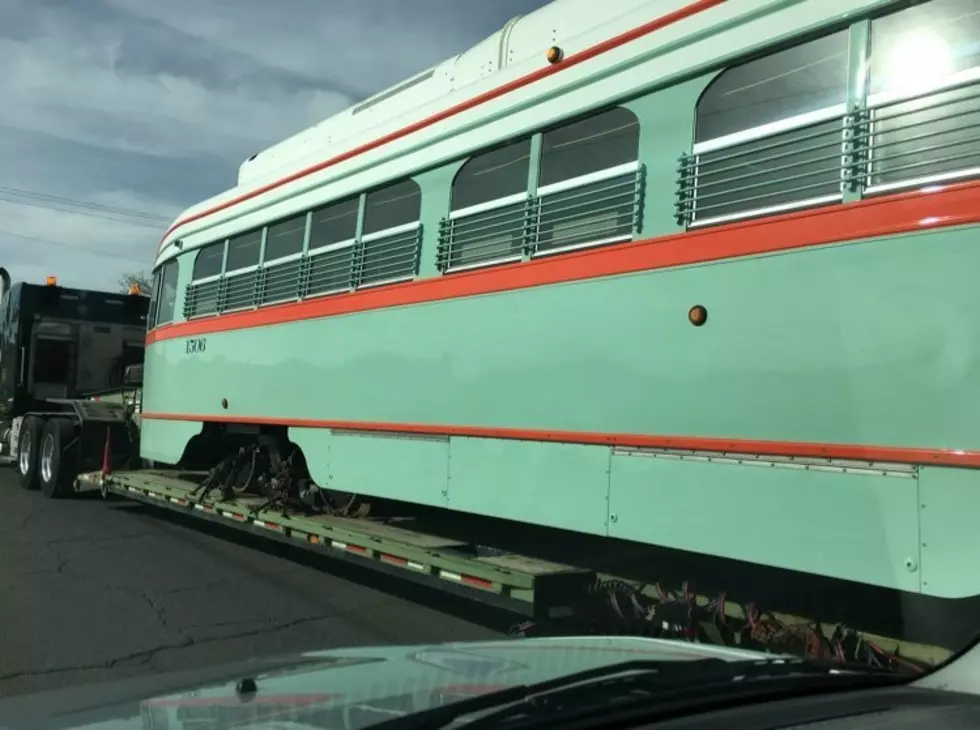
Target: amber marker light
555, 54
698, 315
51, 281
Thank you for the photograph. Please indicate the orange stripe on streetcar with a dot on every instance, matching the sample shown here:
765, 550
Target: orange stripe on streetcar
876, 217
756, 447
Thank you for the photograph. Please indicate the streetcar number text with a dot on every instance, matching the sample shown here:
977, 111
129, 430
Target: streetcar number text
196, 346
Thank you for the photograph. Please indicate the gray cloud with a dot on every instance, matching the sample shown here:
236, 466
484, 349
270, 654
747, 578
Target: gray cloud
151, 106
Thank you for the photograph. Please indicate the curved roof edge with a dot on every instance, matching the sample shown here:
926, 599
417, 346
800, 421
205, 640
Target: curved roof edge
574, 25
520, 38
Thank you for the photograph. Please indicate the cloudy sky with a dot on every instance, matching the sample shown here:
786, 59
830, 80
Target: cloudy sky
117, 114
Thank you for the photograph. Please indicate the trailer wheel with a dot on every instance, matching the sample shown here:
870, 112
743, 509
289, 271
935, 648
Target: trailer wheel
27, 449
57, 462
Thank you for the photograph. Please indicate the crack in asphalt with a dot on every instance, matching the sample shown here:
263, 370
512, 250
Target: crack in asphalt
146, 655
151, 587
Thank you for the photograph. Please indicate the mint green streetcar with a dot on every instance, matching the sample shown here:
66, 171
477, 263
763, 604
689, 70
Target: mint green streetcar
699, 275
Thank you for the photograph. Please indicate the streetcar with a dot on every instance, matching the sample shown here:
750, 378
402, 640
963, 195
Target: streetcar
691, 274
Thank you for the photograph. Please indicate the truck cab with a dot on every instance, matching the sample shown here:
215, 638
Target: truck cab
58, 344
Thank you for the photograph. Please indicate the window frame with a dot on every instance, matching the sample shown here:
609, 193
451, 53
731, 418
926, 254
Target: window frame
767, 130
286, 258
584, 177
533, 195
309, 247
173, 264
197, 253
960, 79
195, 284
485, 205
783, 124
151, 315
363, 208
384, 233
232, 273
499, 203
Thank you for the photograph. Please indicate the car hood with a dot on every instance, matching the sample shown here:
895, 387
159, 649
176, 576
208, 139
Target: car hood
343, 688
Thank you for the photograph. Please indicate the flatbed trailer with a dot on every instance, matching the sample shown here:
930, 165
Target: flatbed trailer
520, 584
544, 595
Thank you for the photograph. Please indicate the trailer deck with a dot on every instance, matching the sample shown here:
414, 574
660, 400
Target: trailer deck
524, 585
536, 589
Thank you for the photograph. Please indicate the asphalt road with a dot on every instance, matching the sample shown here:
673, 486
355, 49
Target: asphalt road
93, 590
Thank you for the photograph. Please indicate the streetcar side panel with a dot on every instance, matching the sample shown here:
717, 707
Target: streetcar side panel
821, 338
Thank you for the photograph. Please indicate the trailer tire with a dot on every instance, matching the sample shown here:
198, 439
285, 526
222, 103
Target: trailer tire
28, 446
57, 459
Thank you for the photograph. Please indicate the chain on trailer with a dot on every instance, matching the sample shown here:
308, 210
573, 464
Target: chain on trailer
257, 470
615, 606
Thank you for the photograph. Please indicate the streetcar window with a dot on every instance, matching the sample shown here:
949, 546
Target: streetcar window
494, 174
786, 84
285, 238
393, 255
924, 129
596, 160
151, 317
209, 261
165, 291
914, 49
334, 223
768, 135
391, 206
243, 250
588, 145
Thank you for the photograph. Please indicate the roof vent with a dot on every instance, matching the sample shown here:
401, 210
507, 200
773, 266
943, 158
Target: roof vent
397, 89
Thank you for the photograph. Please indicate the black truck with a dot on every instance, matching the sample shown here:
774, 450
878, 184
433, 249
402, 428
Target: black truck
60, 349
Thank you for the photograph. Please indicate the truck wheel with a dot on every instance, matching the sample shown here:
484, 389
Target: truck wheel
58, 463
27, 450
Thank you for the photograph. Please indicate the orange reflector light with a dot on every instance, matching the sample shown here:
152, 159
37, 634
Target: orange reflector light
51, 281
134, 289
555, 54
698, 315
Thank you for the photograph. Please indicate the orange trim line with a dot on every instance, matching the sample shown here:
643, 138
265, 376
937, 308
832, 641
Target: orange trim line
885, 216
622, 39
894, 454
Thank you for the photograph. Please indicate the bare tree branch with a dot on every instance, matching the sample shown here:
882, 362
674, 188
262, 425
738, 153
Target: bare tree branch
139, 278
